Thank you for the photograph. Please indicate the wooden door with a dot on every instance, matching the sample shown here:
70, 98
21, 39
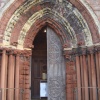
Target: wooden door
38, 68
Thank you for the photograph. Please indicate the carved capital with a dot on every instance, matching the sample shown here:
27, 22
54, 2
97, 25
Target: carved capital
27, 53
84, 51
12, 51
90, 50
69, 55
97, 48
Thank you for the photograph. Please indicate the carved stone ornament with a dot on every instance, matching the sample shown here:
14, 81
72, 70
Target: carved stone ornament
25, 53
56, 67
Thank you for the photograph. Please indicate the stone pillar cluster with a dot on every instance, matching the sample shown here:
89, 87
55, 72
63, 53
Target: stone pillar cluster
7, 75
14, 75
87, 65
82, 74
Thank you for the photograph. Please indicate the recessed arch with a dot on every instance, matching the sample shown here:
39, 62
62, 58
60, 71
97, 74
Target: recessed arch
69, 30
25, 7
72, 23
39, 15
41, 23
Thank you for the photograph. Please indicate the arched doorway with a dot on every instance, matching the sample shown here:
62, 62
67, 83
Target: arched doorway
48, 64
39, 63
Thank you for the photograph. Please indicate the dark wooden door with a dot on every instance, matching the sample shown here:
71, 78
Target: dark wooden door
39, 63
39, 67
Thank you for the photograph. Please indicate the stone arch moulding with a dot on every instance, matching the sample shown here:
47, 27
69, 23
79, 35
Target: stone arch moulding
38, 26
56, 19
25, 8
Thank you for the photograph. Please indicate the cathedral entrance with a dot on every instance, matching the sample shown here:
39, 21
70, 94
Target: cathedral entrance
48, 67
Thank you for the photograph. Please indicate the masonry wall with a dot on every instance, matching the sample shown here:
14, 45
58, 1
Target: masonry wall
95, 5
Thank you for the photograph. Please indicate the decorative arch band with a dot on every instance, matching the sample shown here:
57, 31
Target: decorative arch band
74, 24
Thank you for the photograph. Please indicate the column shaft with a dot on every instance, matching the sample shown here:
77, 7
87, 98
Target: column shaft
99, 73
17, 91
11, 77
85, 78
93, 71
90, 77
82, 76
4, 74
78, 78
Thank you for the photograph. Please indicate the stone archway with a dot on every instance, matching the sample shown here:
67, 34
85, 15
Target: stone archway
76, 28
76, 8
38, 64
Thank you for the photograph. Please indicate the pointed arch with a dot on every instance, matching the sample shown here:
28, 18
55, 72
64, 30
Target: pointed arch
78, 8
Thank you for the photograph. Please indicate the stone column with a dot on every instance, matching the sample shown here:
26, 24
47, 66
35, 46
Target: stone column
11, 77
93, 72
85, 78
17, 88
89, 75
99, 72
4, 74
82, 76
97, 60
78, 78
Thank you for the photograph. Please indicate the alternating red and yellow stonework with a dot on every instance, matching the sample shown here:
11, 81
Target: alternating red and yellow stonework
76, 22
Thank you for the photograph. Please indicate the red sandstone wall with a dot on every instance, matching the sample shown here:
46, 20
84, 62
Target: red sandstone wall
95, 4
